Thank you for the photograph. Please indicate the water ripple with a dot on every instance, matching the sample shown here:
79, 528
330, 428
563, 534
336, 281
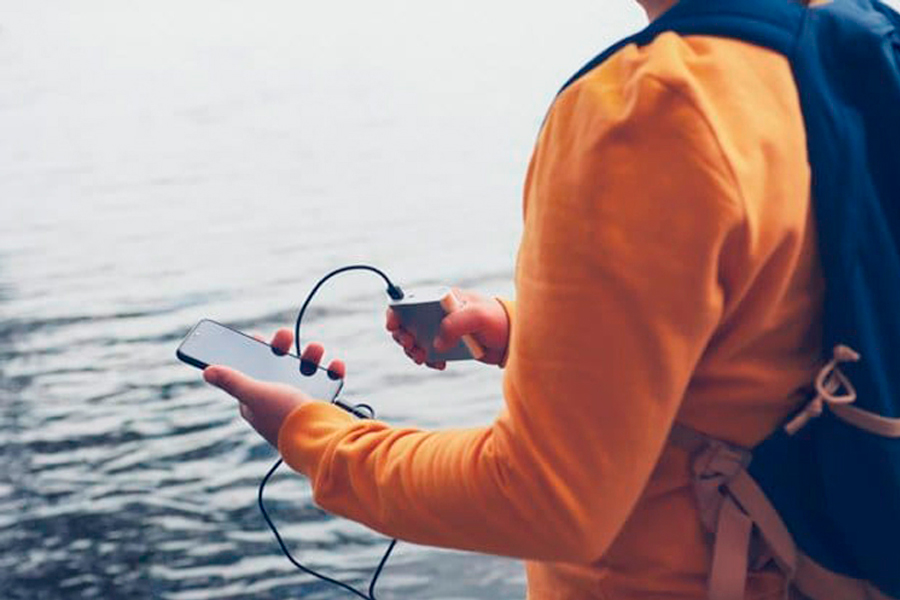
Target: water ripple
167, 170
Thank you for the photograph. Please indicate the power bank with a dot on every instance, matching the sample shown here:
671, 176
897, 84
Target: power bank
421, 311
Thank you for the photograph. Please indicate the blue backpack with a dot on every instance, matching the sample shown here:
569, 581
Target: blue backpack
820, 497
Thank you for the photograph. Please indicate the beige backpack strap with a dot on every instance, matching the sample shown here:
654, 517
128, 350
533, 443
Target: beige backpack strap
829, 382
734, 509
728, 574
768, 523
731, 507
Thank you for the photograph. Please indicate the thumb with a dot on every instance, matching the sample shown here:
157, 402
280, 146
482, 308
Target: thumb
468, 319
246, 389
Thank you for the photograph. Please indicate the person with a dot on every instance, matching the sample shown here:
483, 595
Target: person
668, 272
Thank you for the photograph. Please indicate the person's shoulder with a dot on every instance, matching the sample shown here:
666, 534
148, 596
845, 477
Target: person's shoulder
651, 114
715, 99
652, 97
638, 88
703, 70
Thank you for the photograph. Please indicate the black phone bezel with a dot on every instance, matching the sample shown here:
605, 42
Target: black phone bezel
190, 360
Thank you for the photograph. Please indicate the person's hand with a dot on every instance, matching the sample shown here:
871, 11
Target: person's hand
266, 405
483, 318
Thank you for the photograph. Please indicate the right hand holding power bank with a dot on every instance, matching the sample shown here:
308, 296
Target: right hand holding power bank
479, 321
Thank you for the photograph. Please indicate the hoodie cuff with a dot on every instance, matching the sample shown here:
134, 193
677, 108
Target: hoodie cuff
306, 433
510, 307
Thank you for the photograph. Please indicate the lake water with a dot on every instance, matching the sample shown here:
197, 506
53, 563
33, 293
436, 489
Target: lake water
164, 161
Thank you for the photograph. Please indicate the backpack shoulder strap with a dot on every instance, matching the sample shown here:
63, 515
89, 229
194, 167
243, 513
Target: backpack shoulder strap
772, 24
734, 508
731, 507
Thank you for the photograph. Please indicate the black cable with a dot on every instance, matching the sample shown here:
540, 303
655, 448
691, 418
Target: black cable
393, 291
363, 411
313, 572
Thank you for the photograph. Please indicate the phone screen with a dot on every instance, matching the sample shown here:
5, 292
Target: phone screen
211, 343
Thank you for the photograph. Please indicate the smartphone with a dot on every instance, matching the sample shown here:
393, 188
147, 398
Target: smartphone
211, 343
421, 311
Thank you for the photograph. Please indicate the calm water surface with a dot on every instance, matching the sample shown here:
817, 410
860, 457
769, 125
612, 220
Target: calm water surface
166, 161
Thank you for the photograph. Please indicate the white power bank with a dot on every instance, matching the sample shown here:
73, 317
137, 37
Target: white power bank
421, 311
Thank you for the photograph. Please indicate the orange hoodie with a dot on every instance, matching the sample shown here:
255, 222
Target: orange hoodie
667, 269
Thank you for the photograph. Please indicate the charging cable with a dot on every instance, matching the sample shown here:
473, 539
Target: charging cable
363, 411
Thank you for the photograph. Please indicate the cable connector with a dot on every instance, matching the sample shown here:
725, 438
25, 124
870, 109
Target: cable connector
395, 292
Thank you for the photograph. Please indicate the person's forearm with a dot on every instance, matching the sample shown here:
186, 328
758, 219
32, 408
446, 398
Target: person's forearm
456, 489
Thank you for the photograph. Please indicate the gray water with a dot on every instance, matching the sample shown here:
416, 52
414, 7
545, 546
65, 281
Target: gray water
164, 161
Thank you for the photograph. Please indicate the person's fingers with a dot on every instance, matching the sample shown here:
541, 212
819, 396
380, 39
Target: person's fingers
466, 320
266, 405
246, 389
417, 354
392, 321
313, 353
259, 337
408, 342
282, 341
311, 357
404, 339
462, 295
467, 297
337, 369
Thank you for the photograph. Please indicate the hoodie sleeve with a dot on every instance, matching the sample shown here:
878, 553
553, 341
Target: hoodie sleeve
628, 204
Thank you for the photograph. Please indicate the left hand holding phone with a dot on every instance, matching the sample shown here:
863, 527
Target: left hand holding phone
266, 405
